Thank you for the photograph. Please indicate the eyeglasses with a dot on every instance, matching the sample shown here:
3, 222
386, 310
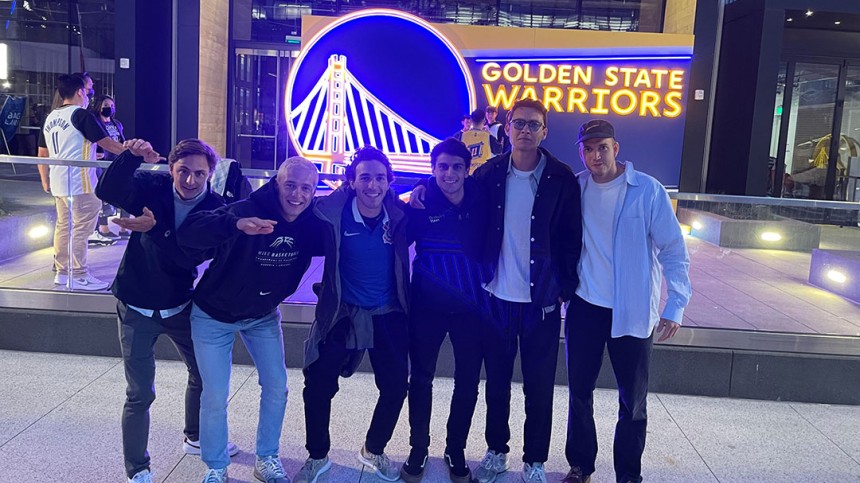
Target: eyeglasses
520, 124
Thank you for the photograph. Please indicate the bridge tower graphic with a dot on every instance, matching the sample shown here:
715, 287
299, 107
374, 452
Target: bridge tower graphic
339, 115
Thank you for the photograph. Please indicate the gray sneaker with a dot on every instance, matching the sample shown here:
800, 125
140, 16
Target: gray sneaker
215, 476
534, 473
270, 470
385, 469
312, 470
141, 477
491, 466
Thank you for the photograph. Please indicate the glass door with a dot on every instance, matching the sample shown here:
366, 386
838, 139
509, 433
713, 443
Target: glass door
259, 132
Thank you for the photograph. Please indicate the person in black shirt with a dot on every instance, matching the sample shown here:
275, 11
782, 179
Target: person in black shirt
154, 282
104, 109
447, 299
260, 249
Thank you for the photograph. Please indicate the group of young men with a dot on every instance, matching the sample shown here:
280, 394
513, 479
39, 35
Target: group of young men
497, 255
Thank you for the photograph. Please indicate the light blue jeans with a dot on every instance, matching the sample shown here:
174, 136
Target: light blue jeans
213, 345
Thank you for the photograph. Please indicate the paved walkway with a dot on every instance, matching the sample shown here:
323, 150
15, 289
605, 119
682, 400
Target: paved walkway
60, 422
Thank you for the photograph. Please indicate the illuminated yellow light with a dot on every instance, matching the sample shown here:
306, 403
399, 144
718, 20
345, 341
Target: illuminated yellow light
836, 276
697, 225
38, 231
770, 236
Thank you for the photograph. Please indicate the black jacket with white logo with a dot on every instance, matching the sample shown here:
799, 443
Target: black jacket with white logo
249, 276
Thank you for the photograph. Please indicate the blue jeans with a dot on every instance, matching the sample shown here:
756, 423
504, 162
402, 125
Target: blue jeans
213, 345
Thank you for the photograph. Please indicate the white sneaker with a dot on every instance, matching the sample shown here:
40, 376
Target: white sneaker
89, 283
269, 469
215, 476
193, 447
98, 239
534, 473
61, 279
141, 477
380, 463
491, 467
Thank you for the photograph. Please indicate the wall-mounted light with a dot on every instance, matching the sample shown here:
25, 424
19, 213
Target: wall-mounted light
38, 231
837, 23
770, 236
809, 13
789, 19
697, 225
836, 276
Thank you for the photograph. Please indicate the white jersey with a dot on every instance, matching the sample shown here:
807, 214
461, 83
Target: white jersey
65, 139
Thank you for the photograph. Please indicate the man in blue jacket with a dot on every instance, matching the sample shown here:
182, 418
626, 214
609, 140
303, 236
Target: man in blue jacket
447, 300
155, 280
260, 249
629, 233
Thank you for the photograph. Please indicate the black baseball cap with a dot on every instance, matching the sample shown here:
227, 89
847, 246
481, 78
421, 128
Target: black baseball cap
596, 129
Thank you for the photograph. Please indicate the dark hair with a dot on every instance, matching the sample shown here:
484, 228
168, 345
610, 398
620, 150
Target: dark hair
96, 106
478, 116
190, 147
368, 153
491, 109
528, 104
69, 85
465, 116
453, 147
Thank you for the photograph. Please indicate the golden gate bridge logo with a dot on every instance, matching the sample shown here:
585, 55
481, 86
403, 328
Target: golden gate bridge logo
339, 115
345, 106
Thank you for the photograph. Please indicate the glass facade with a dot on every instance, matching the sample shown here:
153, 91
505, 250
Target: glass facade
45, 39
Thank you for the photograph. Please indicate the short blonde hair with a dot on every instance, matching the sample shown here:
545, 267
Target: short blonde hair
297, 162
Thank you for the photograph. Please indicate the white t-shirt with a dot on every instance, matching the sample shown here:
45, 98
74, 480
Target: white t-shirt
596, 276
512, 278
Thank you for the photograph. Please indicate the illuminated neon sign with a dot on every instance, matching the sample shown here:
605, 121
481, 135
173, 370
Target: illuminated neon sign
586, 88
336, 112
389, 79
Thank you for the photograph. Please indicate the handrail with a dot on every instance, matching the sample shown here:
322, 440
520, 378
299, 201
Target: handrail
763, 200
251, 173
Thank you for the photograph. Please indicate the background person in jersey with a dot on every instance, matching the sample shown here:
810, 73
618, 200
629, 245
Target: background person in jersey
154, 282
362, 306
630, 233
72, 132
447, 299
479, 141
496, 128
261, 248
532, 248
104, 109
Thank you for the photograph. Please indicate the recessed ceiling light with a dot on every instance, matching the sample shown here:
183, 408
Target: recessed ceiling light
809, 13
837, 23
789, 19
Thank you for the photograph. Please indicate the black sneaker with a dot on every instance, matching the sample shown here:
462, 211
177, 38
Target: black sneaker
413, 469
457, 467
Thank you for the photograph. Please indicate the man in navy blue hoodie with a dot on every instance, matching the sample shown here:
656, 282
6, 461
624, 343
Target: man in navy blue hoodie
447, 299
260, 249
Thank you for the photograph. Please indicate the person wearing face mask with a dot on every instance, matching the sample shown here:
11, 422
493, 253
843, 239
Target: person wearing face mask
103, 108
260, 249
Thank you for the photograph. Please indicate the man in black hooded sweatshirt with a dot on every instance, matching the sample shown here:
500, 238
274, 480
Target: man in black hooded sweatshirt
261, 248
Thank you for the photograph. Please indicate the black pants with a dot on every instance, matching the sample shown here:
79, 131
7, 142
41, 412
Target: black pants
427, 331
537, 334
587, 332
137, 336
390, 360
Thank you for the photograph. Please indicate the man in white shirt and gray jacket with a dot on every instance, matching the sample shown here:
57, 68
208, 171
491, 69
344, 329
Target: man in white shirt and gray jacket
630, 233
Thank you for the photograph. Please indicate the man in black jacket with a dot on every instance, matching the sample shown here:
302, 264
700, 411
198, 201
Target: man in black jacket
532, 249
447, 299
533, 245
260, 249
154, 282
